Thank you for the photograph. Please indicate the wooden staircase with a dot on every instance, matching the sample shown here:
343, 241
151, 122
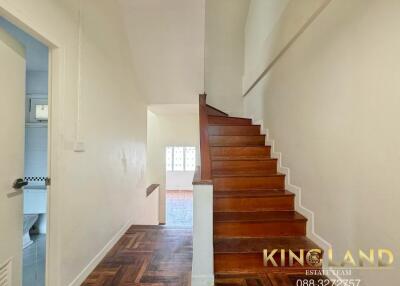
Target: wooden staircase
252, 209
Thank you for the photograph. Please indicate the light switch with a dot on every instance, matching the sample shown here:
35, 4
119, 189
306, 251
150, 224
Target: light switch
79, 146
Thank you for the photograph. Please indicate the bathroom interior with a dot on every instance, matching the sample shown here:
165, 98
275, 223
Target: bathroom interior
35, 172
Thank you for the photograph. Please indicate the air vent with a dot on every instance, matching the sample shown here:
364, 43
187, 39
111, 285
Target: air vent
5, 274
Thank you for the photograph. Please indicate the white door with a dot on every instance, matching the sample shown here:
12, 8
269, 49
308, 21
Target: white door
12, 102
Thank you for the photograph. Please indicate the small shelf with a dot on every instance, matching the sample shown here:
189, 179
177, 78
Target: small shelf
151, 189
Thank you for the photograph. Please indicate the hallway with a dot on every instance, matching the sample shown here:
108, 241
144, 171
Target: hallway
199, 142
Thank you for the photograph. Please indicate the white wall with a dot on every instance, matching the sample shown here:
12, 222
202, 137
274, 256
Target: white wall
271, 28
167, 46
331, 104
261, 21
203, 247
166, 128
179, 180
98, 192
224, 54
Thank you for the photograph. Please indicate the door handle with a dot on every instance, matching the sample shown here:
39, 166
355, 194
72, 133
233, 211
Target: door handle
19, 183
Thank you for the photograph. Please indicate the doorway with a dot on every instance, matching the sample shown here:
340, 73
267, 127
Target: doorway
180, 167
34, 210
172, 155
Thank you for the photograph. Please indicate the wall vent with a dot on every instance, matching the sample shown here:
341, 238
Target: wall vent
5, 274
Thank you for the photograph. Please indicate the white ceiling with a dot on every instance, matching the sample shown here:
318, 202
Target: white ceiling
167, 42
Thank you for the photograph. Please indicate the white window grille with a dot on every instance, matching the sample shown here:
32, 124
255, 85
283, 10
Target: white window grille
180, 158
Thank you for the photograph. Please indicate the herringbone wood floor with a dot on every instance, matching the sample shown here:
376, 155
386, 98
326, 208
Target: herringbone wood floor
147, 255
162, 255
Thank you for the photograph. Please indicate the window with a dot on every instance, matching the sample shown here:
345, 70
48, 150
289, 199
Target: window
37, 110
190, 158
42, 112
180, 158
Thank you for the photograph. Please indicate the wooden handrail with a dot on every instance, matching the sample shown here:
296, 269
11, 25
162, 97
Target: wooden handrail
286, 47
204, 146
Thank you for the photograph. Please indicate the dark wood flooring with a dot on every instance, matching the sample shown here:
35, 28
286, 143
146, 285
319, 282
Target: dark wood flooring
147, 255
162, 255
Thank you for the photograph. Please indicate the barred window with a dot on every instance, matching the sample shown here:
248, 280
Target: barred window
179, 158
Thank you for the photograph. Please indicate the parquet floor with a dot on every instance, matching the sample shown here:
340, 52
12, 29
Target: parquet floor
147, 255
162, 256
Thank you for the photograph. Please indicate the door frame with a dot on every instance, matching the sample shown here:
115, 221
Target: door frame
55, 91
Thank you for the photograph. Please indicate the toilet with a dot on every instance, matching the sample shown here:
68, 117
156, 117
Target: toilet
29, 221
35, 203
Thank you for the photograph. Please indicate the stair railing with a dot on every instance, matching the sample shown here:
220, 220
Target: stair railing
204, 144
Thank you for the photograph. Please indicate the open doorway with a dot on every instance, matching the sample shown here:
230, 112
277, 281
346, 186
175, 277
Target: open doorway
34, 222
180, 167
172, 155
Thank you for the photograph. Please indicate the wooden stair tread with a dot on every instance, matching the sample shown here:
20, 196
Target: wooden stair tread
243, 159
255, 135
244, 168
234, 117
252, 194
228, 120
259, 216
234, 130
240, 158
258, 244
270, 279
231, 124
236, 140
247, 175
242, 174
251, 152
255, 182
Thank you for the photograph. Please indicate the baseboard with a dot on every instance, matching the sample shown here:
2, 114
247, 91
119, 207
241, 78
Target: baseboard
202, 280
99, 256
311, 233
323, 243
